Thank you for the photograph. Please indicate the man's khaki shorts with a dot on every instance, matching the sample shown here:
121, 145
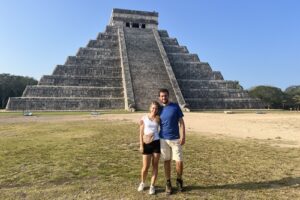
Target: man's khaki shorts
171, 149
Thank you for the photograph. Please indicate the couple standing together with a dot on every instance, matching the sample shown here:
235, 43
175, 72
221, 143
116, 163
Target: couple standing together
162, 133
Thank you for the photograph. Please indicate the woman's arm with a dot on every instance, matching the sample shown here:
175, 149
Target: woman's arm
141, 136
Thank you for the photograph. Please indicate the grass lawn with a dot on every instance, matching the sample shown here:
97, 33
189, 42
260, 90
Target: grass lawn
100, 160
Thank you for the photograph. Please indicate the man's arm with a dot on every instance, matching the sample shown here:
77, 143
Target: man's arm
182, 131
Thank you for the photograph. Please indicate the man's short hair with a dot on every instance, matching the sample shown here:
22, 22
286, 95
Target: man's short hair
163, 90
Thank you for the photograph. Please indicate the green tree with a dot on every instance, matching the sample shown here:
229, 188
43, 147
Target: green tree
291, 95
296, 99
271, 96
13, 86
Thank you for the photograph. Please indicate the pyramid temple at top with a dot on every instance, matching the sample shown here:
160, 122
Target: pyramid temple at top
124, 69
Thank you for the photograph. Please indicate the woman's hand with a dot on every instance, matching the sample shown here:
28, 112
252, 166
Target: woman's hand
141, 149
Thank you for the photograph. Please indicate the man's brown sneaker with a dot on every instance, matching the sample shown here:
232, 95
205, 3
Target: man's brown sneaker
179, 184
168, 187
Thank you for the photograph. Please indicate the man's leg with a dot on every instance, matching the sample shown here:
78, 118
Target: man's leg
179, 169
165, 150
167, 166
178, 157
166, 156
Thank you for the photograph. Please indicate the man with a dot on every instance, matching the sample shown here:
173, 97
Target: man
171, 139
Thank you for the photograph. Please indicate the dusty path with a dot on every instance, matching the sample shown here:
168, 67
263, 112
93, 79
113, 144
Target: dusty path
283, 128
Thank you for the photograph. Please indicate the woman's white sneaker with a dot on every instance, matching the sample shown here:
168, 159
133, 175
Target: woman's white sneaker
141, 187
152, 190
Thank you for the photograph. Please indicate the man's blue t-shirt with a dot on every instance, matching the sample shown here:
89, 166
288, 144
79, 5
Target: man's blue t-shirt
169, 118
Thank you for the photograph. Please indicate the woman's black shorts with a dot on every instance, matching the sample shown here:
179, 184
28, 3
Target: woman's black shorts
153, 147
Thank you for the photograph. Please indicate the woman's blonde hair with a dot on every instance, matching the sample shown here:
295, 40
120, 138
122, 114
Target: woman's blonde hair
157, 118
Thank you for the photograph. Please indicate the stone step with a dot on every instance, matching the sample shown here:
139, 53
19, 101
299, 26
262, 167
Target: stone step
186, 73
183, 57
103, 43
192, 70
54, 103
163, 33
223, 103
169, 41
203, 65
217, 75
175, 49
101, 49
139, 31
111, 30
72, 91
95, 52
76, 60
109, 36
214, 93
81, 81
72, 70
206, 84
103, 64
192, 65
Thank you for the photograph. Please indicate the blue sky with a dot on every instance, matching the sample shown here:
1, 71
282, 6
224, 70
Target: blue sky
254, 42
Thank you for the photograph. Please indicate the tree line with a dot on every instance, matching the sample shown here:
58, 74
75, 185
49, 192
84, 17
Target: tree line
272, 97
13, 86
275, 98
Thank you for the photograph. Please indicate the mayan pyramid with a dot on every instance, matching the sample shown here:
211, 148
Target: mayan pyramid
124, 68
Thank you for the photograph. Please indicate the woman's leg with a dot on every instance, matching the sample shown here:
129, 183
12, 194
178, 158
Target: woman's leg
155, 161
146, 164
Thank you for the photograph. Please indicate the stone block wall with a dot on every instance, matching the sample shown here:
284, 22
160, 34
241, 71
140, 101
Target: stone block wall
90, 80
202, 87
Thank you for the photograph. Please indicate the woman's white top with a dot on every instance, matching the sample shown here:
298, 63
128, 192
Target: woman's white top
151, 127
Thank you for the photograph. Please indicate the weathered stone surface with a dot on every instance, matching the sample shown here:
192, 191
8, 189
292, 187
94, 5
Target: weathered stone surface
129, 100
146, 66
124, 67
57, 103
73, 91
202, 87
81, 81
221, 103
77, 70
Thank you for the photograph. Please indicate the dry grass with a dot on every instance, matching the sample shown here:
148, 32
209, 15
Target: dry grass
98, 159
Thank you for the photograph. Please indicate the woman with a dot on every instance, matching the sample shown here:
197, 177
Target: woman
150, 145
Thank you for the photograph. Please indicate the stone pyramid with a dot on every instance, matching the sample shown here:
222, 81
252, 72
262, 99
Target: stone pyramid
124, 68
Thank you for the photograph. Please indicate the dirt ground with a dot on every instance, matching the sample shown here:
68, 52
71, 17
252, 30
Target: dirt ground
282, 128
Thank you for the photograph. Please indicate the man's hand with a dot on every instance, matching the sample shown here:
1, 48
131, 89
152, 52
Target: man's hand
182, 141
182, 131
